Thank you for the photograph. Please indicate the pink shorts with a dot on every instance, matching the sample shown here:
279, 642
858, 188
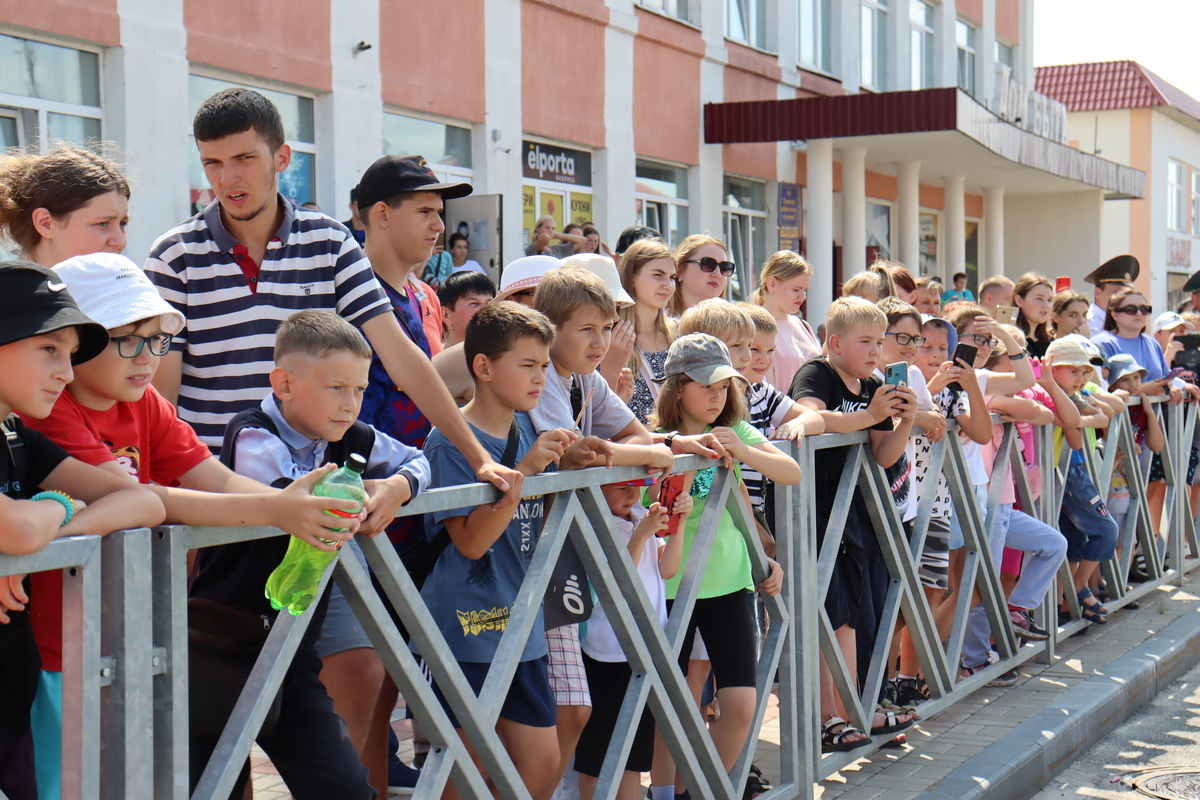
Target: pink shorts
1010, 563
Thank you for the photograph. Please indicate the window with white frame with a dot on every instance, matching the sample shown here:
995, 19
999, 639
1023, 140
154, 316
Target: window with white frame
746, 22
672, 8
921, 19
662, 199
874, 44
446, 147
48, 93
1004, 54
745, 223
964, 36
815, 34
1176, 186
298, 182
1195, 202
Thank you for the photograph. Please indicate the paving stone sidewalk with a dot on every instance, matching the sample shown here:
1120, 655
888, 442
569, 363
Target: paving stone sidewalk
939, 745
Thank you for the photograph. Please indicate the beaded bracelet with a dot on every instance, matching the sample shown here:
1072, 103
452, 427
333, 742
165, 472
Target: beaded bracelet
62, 499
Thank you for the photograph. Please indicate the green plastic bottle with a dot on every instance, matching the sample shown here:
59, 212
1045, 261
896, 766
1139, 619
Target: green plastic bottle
293, 584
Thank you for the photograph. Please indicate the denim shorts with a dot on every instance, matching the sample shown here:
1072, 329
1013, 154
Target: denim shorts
529, 700
956, 534
1090, 530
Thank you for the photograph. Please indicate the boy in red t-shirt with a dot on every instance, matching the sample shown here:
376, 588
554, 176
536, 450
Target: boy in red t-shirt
111, 416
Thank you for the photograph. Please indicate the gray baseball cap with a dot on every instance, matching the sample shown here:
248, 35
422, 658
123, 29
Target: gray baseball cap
703, 358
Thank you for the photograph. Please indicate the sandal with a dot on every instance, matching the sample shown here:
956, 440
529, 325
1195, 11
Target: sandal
835, 741
899, 709
755, 784
893, 722
1096, 608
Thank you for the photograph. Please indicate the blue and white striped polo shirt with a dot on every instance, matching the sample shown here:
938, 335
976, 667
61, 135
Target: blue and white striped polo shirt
228, 341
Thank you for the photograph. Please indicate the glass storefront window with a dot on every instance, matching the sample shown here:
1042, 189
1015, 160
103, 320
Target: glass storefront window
661, 199
438, 142
745, 226
49, 72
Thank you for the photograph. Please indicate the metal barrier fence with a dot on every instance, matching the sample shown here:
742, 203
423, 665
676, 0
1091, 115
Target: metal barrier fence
125, 714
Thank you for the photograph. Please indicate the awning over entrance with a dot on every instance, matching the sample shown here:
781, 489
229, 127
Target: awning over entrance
946, 130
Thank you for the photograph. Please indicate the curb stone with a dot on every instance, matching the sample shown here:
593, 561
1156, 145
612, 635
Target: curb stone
1024, 761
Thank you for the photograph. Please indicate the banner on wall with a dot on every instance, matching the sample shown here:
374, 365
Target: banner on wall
528, 211
789, 217
581, 208
547, 162
552, 206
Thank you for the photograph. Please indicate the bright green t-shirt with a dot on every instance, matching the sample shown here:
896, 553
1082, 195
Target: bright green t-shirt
728, 568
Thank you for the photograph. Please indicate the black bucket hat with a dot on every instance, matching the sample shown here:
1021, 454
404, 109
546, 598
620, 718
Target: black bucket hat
34, 300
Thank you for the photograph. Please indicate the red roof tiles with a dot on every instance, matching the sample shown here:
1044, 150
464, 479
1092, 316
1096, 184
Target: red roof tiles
1104, 85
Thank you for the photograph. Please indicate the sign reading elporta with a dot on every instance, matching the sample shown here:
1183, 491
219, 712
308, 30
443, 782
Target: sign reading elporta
546, 162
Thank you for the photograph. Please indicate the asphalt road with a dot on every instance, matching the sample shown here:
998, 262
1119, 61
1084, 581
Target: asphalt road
1165, 733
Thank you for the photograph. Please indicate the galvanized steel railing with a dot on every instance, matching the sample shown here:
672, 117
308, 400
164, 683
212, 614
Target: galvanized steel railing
134, 699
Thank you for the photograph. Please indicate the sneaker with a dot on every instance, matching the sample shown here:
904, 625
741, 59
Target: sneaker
1025, 627
1005, 679
402, 779
910, 691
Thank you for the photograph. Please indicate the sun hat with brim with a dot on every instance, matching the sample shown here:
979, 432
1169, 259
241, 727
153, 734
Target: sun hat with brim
524, 273
1068, 353
115, 292
605, 269
703, 358
34, 301
1095, 357
1121, 364
1168, 320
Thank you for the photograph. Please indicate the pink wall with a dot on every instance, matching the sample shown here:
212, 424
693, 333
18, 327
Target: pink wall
443, 73
230, 34
666, 96
751, 75
562, 80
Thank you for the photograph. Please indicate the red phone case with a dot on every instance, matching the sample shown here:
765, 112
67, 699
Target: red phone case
671, 487
1061, 284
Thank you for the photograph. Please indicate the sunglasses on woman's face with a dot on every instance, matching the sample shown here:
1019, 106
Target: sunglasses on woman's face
708, 264
1134, 309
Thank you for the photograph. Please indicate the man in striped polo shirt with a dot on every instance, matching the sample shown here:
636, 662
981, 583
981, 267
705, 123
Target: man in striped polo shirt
250, 260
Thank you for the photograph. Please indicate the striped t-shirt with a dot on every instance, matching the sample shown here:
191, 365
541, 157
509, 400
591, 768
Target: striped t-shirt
228, 341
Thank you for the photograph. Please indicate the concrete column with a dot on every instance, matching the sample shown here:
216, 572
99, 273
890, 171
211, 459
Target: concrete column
819, 245
499, 141
985, 54
908, 214
350, 118
615, 172
956, 226
993, 232
854, 211
145, 83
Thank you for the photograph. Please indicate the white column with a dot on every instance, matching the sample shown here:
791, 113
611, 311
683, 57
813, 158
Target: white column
908, 213
350, 118
956, 226
706, 180
145, 83
615, 171
993, 231
854, 211
819, 244
499, 139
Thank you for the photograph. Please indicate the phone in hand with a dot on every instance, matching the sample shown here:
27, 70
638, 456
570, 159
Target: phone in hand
1061, 284
896, 374
1006, 315
1036, 366
966, 353
670, 487
1175, 373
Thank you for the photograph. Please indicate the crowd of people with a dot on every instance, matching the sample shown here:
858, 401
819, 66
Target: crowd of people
263, 343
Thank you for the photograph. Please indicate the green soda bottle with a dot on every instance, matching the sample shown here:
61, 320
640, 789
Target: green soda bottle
293, 584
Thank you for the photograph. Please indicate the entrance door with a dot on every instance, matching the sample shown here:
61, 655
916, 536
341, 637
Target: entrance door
478, 217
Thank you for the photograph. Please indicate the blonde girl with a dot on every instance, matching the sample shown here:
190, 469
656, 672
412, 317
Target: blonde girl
702, 392
702, 270
782, 289
648, 275
1069, 314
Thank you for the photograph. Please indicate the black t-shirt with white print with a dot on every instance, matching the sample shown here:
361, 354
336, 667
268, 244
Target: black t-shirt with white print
27, 458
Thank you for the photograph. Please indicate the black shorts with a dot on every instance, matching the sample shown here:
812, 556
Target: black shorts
608, 681
529, 700
727, 625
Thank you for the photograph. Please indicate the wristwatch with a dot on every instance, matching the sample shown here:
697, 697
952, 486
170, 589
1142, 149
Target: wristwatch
669, 441
1018, 356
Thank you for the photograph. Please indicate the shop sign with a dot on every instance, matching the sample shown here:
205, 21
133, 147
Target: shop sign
1025, 108
789, 216
546, 162
1179, 252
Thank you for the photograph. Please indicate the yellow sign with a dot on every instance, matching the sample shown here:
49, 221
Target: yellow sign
552, 206
581, 208
528, 211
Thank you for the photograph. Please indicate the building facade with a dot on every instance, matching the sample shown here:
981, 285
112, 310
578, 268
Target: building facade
590, 110
1126, 113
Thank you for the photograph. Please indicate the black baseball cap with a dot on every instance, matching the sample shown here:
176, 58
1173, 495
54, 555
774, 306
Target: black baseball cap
34, 300
634, 233
392, 174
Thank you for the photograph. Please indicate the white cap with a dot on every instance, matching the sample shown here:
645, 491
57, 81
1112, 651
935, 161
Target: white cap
1167, 320
114, 291
524, 273
603, 267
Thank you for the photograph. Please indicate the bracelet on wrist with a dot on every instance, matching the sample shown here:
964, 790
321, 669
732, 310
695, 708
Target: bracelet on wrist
62, 499
1018, 356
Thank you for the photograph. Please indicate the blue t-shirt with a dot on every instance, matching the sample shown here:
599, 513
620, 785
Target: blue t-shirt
470, 600
1144, 349
951, 295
